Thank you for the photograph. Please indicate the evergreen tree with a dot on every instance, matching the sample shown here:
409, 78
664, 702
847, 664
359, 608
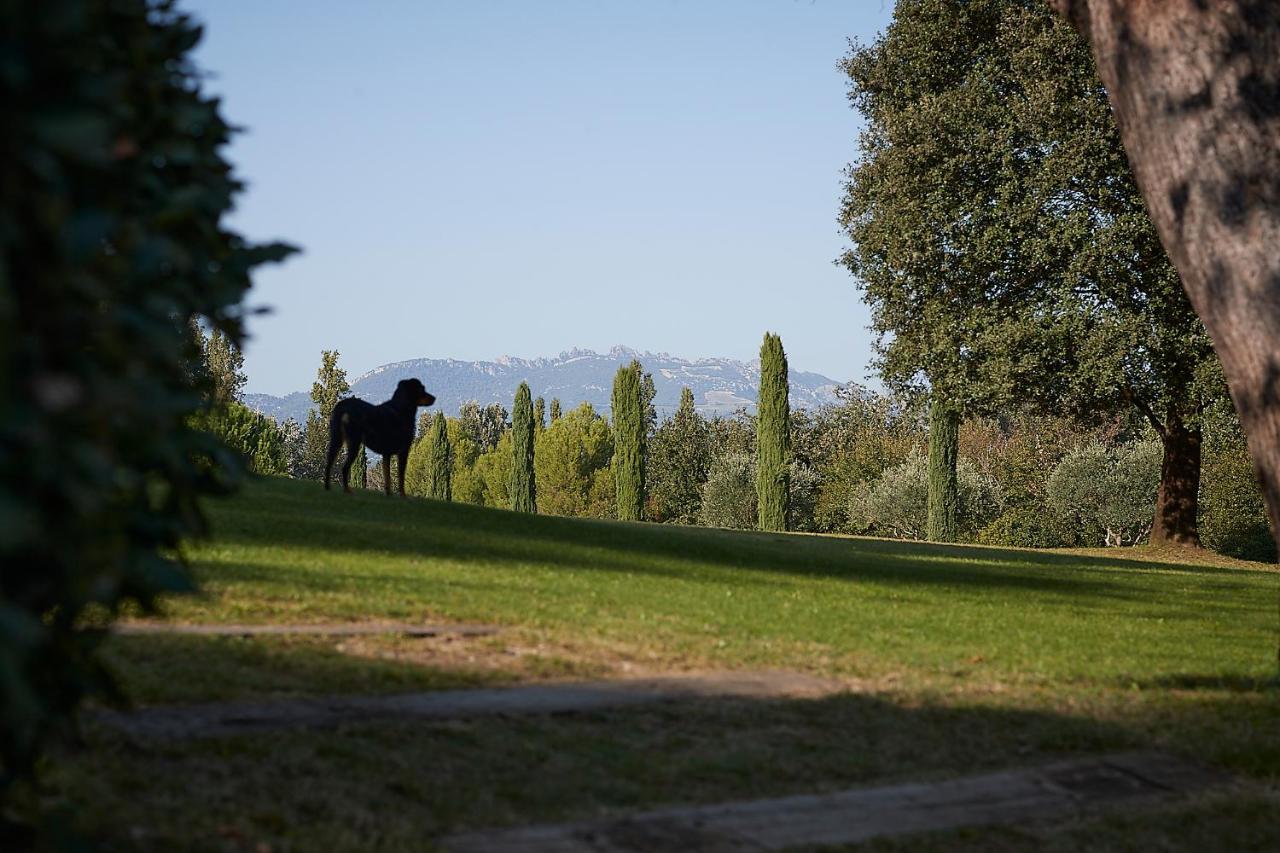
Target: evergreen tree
440, 470
330, 387
555, 409
628, 441
573, 456
773, 437
648, 391
539, 414
944, 485
360, 470
224, 364
679, 459
523, 489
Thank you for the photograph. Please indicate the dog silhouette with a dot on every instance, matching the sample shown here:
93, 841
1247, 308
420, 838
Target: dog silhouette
386, 428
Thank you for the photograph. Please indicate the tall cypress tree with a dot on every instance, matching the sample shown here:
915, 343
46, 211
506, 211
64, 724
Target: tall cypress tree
539, 414
944, 488
523, 490
628, 441
359, 470
555, 409
440, 462
773, 436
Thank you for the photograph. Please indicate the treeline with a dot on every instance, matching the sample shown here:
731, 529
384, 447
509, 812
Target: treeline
860, 465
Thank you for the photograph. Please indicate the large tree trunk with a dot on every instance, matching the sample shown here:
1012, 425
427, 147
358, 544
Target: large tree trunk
1179, 500
1195, 86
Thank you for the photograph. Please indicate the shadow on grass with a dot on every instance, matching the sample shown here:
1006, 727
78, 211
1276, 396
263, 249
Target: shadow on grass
300, 514
389, 785
180, 669
1212, 682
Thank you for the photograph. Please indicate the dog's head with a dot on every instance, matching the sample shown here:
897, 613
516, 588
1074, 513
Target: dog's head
415, 391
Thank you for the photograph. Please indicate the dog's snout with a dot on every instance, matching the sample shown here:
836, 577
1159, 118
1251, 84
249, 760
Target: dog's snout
426, 400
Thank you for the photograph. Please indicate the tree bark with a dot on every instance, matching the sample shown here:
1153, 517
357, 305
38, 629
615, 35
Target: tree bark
1195, 86
1178, 502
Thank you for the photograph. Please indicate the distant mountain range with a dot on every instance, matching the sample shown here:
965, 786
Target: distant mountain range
719, 385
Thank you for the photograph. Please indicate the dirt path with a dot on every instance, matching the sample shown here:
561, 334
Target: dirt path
1055, 791
325, 629
231, 718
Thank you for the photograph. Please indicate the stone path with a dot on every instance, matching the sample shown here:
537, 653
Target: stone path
328, 629
231, 718
1055, 791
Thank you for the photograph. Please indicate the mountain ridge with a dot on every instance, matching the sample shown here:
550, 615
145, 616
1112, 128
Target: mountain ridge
720, 385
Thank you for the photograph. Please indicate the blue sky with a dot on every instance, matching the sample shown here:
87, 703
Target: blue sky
478, 178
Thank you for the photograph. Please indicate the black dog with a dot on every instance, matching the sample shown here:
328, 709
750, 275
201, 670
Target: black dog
385, 429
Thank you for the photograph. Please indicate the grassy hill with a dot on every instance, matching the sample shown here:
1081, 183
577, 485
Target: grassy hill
956, 659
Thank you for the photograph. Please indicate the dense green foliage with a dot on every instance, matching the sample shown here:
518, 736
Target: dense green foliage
572, 465
729, 496
329, 387
897, 502
360, 470
773, 436
523, 489
679, 458
111, 244
555, 409
629, 441
1109, 493
440, 460
539, 414
254, 438
225, 365
997, 232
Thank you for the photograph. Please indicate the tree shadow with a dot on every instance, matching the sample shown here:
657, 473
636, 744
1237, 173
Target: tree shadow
406, 780
281, 513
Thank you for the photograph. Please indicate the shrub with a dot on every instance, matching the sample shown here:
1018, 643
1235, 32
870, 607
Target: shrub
255, 438
1233, 517
729, 495
1109, 493
896, 503
113, 198
1025, 527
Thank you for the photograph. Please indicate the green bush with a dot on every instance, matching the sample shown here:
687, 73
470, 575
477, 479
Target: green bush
896, 503
1025, 527
1233, 517
729, 495
256, 439
111, 242
1108, 492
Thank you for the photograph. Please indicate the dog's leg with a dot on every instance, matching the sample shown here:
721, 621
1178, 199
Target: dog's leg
386, 473
401, 460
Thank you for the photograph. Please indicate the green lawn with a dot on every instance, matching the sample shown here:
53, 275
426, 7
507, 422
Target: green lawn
957, 659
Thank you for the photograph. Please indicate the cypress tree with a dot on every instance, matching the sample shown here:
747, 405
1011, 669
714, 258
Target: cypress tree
440, 462
944, 489
773, 436
555, 409
628, 441
523, 491
359, 470
539, 414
